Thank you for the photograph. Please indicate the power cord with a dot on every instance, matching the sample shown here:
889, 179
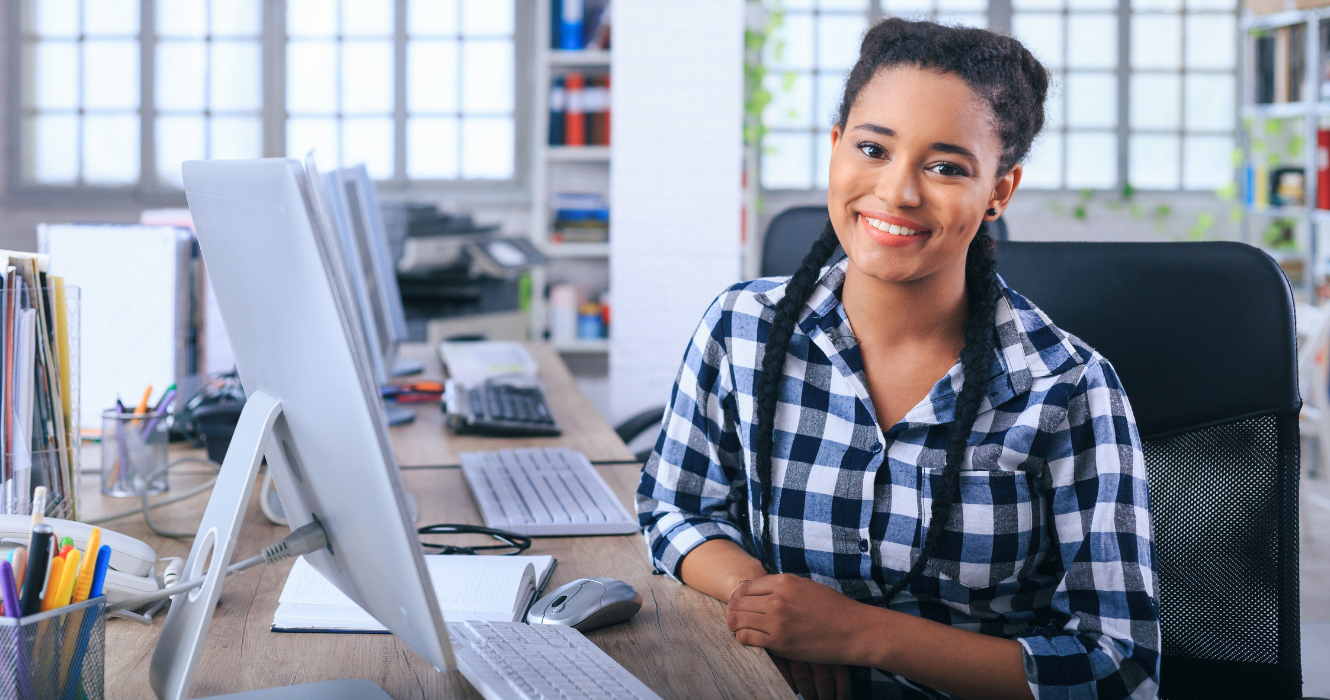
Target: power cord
511, 540
147, 507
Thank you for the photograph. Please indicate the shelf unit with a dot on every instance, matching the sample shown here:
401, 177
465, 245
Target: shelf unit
1311, 110
546, 163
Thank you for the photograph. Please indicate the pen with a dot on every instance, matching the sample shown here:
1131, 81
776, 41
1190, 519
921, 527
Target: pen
38, 505
66, 544
84, 585
18, 556
52, 583
9, 591
160, 411
68, 577
39, 553
99, 574
143, 404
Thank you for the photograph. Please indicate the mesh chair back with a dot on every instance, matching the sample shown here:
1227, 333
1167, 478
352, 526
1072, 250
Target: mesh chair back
1203, 338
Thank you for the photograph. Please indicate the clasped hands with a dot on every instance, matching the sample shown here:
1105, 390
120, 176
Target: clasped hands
811, 631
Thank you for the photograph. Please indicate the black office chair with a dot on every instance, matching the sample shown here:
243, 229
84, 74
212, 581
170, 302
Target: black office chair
1203, 338
792, 232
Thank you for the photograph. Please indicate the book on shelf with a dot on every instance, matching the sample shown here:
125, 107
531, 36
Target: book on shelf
1323, 168
577, 25
580, 217
580, 110
1279, 72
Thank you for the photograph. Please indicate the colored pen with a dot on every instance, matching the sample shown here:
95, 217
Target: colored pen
68, 577
99, 574
52, 583
39, 553
84, 585
160, 411
9, 591
143, 404
18, 557
38, 505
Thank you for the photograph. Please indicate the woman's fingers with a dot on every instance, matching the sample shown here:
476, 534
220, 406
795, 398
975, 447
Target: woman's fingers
753, 638
737, 620
803, 680
842, 682
824, 679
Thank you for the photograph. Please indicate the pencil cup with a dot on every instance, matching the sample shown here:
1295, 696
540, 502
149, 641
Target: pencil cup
133, 453
55, 655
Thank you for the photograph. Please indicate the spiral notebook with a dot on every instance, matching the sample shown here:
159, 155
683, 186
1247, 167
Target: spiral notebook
490, 588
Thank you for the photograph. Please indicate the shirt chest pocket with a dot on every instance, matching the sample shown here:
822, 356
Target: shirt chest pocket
992, 530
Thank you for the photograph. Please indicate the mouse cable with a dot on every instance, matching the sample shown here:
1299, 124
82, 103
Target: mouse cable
511, 540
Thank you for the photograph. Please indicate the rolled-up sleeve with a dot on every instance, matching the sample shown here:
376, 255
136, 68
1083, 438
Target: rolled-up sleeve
1104, 639
696, 470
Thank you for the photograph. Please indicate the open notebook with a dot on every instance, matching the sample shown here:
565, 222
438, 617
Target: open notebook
490, 588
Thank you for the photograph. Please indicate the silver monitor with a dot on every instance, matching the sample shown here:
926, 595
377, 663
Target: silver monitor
313, 410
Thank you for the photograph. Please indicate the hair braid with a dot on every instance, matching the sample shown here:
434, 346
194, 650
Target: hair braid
766, 393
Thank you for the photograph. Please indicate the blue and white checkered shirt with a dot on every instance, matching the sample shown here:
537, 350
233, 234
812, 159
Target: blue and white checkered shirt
1049, 543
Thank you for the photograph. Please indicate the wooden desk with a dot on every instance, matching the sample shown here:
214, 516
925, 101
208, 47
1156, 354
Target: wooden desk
677, 644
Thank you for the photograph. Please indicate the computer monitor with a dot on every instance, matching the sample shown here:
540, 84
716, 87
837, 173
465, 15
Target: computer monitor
366, 218
313, 410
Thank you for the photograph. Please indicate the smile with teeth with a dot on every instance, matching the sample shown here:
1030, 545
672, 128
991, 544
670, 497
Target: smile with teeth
893, 229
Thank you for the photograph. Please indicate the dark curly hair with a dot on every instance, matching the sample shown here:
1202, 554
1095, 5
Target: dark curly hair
1004, 74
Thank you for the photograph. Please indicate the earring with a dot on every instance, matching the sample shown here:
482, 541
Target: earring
992, 212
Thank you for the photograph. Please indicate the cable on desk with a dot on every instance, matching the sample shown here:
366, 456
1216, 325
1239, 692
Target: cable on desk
146, 507
511, 540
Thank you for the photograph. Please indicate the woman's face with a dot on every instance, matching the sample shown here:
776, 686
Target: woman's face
913, 173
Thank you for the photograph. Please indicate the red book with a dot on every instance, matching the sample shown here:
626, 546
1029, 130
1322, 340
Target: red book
574, 128
1323, 168
605, 126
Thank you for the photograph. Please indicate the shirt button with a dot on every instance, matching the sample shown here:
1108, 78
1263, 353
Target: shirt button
863, 546
876, 448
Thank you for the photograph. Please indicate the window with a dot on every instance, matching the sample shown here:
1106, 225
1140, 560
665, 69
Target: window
1160, 116
116, 93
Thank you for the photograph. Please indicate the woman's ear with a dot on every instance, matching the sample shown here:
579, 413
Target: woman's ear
1003, 189
836, 133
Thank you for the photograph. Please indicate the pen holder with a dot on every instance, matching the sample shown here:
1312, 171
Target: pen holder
60, 654
133, 451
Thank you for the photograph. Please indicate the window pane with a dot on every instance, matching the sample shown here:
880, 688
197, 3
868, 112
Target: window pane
1037, 4
790, 46
178, 139
822, 167
843, 4
182, 18
788, 107
1212, 4
431, 17
111, 149
1207, 162
1156, 5
367, 77
967, 20
908, 8
310, 18
237, 17
1156, 41
838, 38
1154, 101
369, 141
431, 76
1076, 5
431, 148
972, 6
1203, 49
111, 74
1092, 41
1092, 160
237, 75
1054, 113
799, 4
1153, 162
487, 76
55, 74
311, 73
367, 18
830, 89
487, 17
1210, 102
786, 161
56, 139
319, 135
1043, 166
56, 18
1092, 100
487, 148
1042, 35
236, 137
180, 70
110, 17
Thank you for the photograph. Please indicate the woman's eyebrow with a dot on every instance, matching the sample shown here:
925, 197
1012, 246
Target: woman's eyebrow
943, 147
880, 130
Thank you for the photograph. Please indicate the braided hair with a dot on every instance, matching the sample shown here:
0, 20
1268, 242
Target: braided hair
1013, 84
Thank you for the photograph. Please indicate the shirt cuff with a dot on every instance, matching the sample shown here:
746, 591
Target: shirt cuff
673, 536
1057, 667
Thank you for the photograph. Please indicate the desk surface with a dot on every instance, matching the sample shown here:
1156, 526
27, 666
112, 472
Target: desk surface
677, 644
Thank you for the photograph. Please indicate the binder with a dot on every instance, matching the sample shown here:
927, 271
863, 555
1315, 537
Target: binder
570, 24
558, 106
575, 118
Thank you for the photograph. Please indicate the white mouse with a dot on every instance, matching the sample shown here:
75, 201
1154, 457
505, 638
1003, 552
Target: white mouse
586, 604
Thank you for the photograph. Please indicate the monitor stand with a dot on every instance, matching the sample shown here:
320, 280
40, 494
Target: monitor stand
398, 415
185, 632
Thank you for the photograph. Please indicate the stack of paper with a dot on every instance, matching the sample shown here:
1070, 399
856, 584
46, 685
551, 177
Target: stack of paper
490, 588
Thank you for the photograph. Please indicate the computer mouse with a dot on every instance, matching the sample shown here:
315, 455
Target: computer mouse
587, 604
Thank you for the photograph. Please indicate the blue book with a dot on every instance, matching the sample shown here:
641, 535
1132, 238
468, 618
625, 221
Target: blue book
570, 24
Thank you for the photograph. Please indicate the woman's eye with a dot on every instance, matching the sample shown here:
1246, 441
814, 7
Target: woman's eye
947, 169
872, 150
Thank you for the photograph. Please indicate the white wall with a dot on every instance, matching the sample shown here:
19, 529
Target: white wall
675, 184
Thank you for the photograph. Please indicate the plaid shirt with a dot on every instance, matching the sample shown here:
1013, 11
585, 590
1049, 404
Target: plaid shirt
1049, 543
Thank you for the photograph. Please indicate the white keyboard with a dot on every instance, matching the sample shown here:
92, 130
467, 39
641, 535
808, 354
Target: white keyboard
515, 661
544, 492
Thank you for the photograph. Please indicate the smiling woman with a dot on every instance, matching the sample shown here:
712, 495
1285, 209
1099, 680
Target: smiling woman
903, 479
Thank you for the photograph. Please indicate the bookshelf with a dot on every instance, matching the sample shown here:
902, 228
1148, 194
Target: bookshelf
1285, 124
557, 169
